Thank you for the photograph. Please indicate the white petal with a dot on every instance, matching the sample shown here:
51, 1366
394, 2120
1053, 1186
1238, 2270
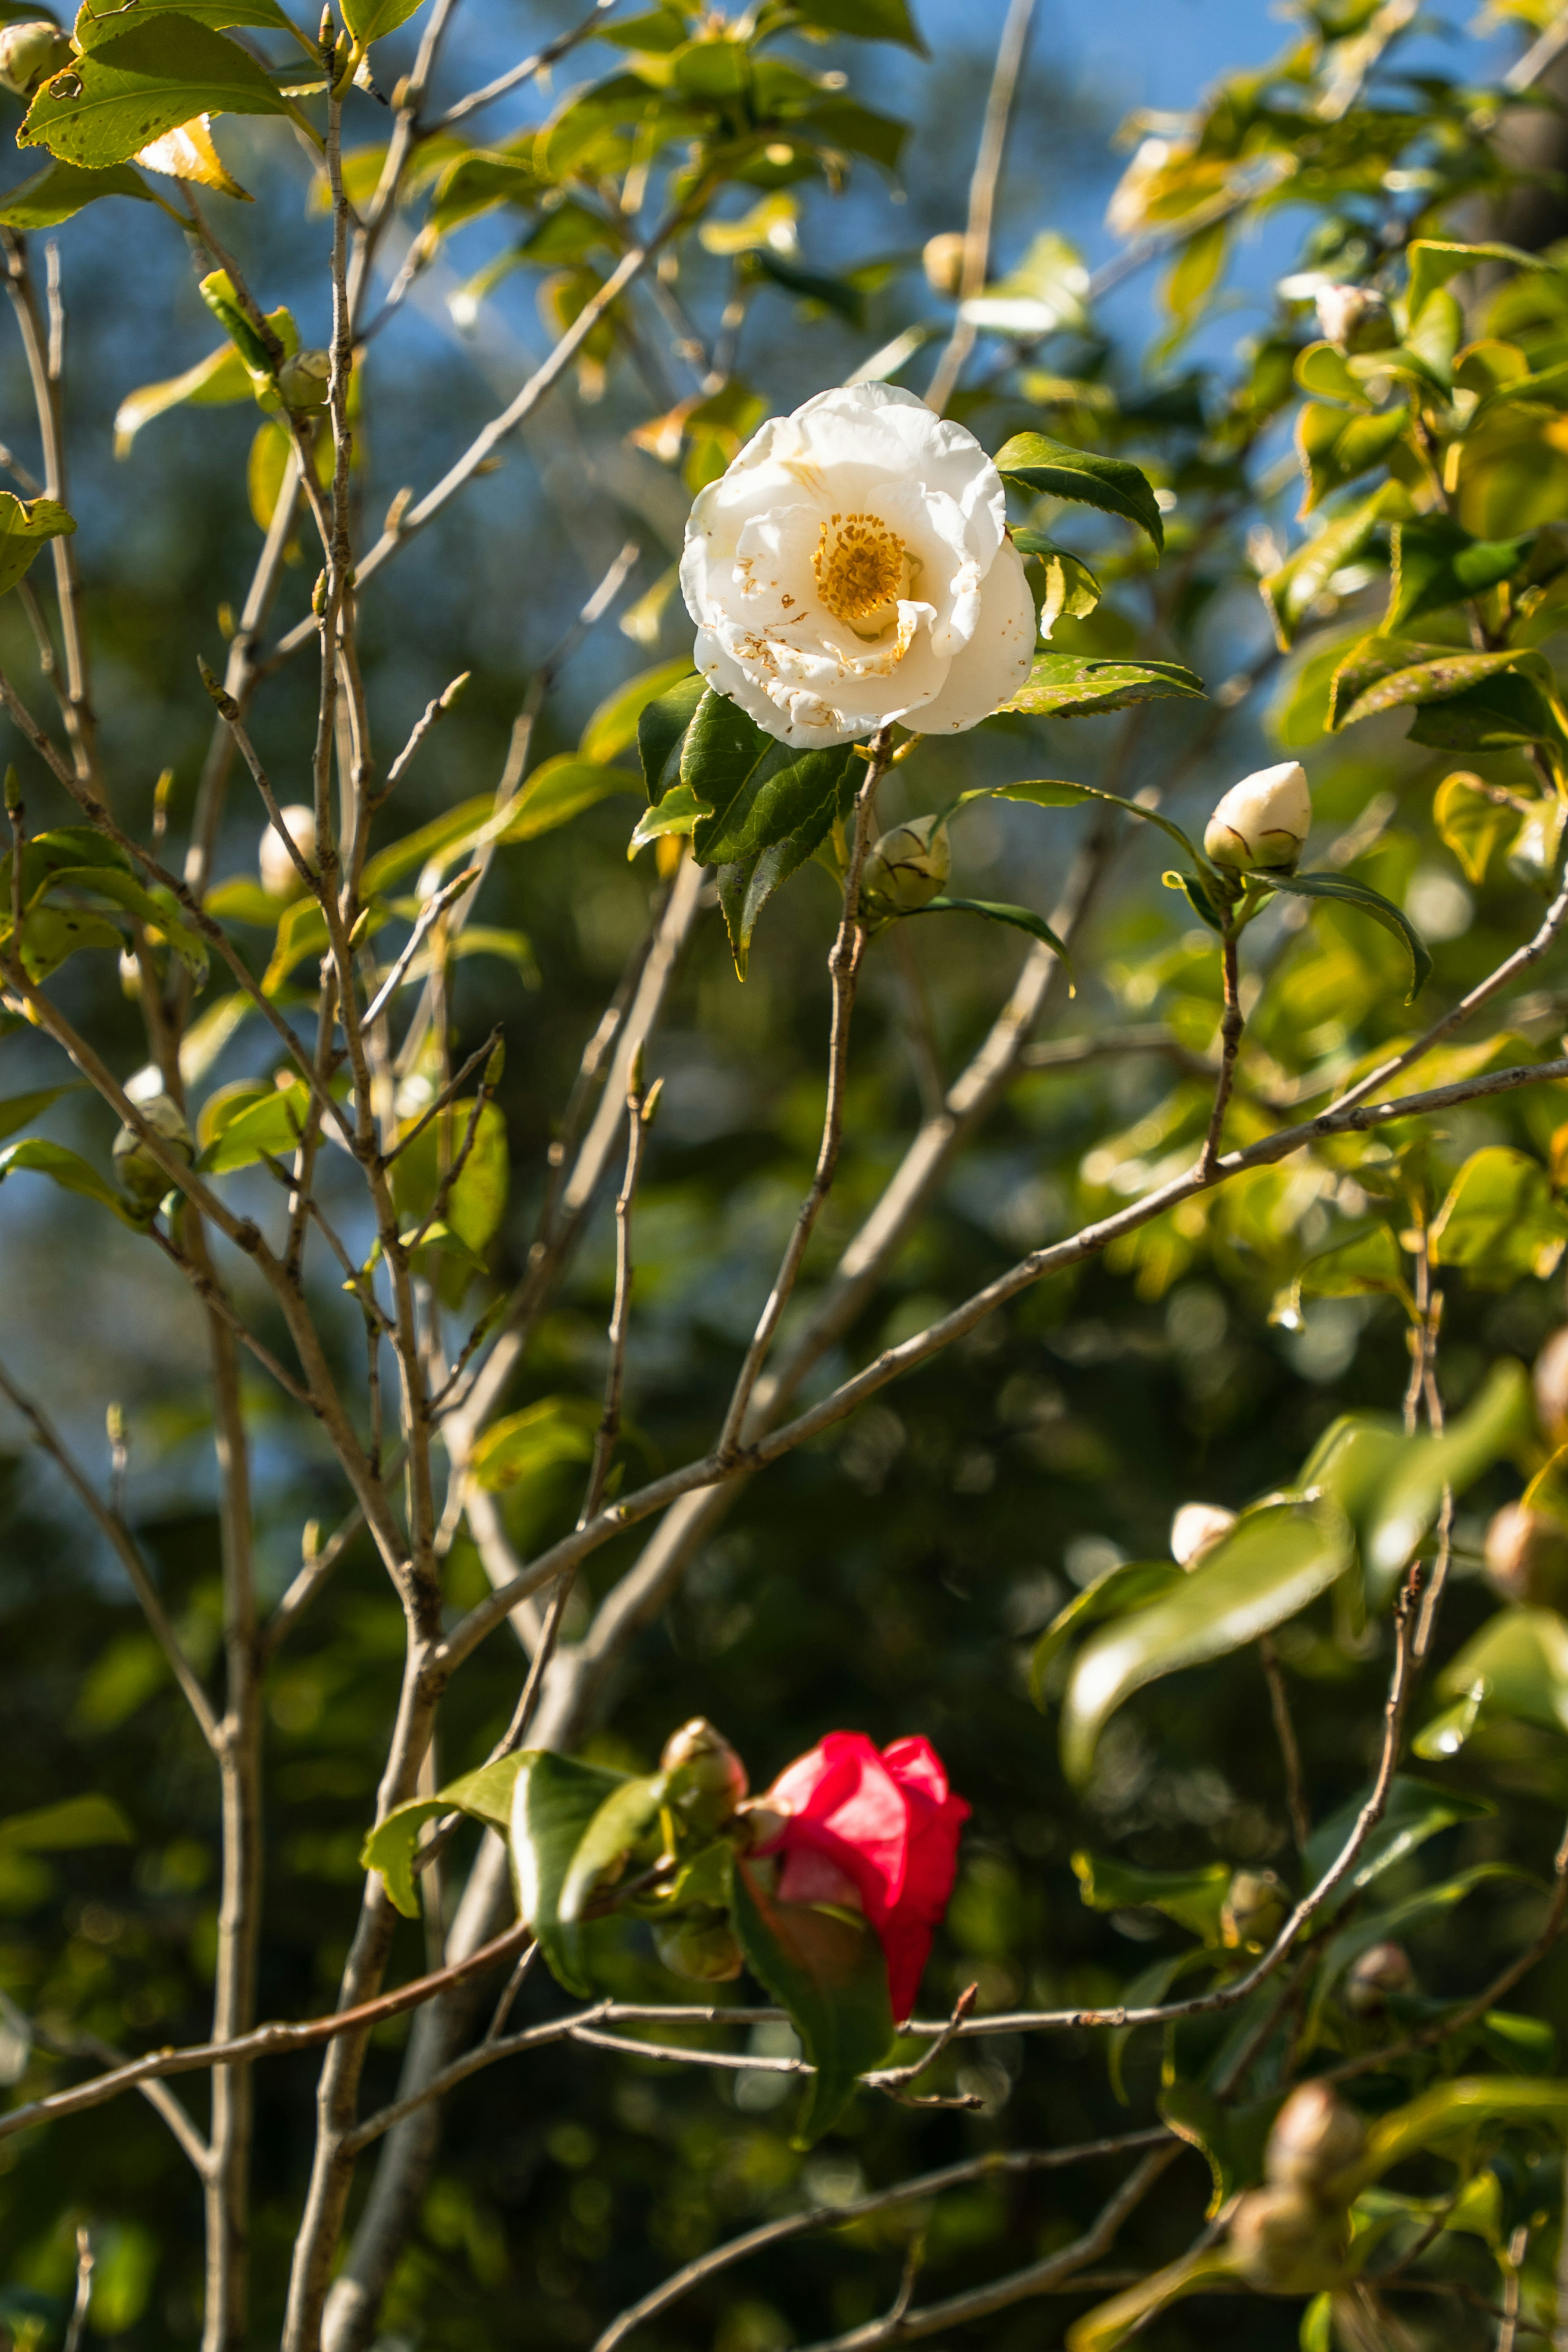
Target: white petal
996, 662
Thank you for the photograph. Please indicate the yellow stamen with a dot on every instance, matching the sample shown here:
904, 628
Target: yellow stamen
860, 566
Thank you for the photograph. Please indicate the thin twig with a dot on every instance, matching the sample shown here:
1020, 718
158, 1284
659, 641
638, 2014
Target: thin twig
1290, 1746
1230, 1030
992, 146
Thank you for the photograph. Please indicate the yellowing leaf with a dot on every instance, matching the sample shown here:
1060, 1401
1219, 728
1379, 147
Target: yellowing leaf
187, 154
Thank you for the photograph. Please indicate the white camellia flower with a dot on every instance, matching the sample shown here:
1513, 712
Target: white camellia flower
1264, 820
852, 567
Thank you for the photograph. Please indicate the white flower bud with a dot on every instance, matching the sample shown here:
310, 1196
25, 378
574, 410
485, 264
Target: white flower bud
302, 381
1356, 318
1262, 822
30, 52
1196, 1528
1316, 2138
139, 1175
1527, 1556
1285, 2245
907, 867
279, 875
1551, 1378
942, 261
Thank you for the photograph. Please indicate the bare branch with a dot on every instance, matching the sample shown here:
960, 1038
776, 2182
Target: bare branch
982, 195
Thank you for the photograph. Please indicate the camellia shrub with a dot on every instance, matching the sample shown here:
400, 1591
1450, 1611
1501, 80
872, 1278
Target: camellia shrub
1304, 1743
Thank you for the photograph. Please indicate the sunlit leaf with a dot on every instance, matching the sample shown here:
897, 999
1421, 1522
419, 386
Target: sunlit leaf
629, 1815
1348, 892
1081, 686
24, 525
1501, 1221
65, 1168
1061, 471
1192, 1898
59, 191
554, 1801
521, 1445
133, 88
485, 1795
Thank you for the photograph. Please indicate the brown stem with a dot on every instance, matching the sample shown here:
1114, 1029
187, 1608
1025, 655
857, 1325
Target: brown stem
1230, 1029
1289, 1748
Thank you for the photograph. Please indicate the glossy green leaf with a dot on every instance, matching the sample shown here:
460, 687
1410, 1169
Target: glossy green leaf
59, 192
680, 811
371, 20
485, 1795
1436, 563
825, 1968
559, 789
777, 820
51, 934
1425, 675
475, 1204
522, 1445
1017, 919
94, 25
1452, 2112
1192, 1898
158, 906
143, 82
1367, 1262
864, 20
1343, 1949
24, 525
1278, 1558
1434, 261
1348, 892
1415, 1810
1126, 1586
1517, 1666
20, 1110
65, 1168
629, 1815
1336, 447
1291, 592
1500, 712
1080, 685
1113, 2324
1501, 1221
236, 1131
1050, 793
1070, 587
721, 753
661, 732
215, 382
1321, 368
1405, 1506
554, 1799
1230, 2136
614, 727
1061, 471
1470, 823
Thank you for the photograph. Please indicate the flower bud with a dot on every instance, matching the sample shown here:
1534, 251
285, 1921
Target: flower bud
701, 1944
1356, 318
1384, 1970
907, 866
29, 53
302, 381
1195, 1529
1551, 1378
1285, 2245
1254, 1909
1263, 821
1316, 2138
942, 261
707, 1778
280, 878
139, 1175
1527, 1556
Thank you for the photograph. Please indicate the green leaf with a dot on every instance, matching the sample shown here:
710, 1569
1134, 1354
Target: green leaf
95, 25
1291, 592
1502, 712
1434, 261
1452, 2111
476, 1203
220, 378
1436, 563
159, 907
827, 1969
559, 789
1019, 919
1070, 586
49, 935
142, 83
680, 811
1433, 675
1080, 686
720, 754
1231, 2137
1415, 1810
1335, 447
20, 1110
629, 1815
1500, 1221
1517, 1666
59, 191
1348, 892
614, 727
1110, 2325
523, 1444
1192, 1898
661, 730
554, 1799
1470, 823
371, 20
1321, 367
68, 1168
242, 1124
1111, 484
1343, 1949
1050, 793
62, 1827
1278, 1558
1126, 1586
1405, 1506
864, 20
843, 123
772, 826
485, 1795
1363, 1263
24, 525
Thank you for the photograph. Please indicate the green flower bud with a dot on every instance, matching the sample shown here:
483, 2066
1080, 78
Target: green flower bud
706, 1778
1262, 822
1316, 2138
30, 52
1384, 1970
302, 381
1527, 1556
700, 1944
138, 1174
1254, 1910
907, 866
1356, 319
1285, 2245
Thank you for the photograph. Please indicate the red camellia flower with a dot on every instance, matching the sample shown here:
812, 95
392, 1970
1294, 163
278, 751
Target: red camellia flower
877, 1831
